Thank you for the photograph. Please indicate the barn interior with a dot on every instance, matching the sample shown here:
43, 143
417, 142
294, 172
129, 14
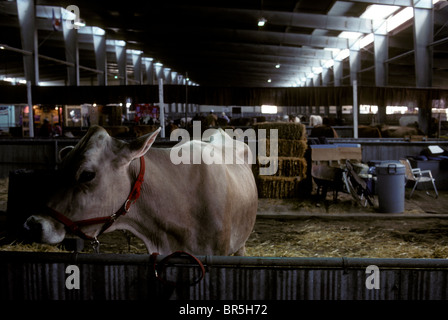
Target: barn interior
354, 90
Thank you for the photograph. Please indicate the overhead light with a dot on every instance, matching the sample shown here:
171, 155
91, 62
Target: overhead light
80, 23
2, 47
277, 65
261, 22
269, 80
268, 109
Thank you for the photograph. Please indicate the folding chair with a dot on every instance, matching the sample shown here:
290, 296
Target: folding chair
418, 176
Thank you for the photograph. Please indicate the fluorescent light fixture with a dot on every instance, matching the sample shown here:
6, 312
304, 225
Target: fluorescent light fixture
120, 43
268, 109
80, 23
277, 65
398, 19
158, 64
133, 51
261, 22
98, 31
269, 80
13, 80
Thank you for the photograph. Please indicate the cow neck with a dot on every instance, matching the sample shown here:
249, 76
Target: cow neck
75, 226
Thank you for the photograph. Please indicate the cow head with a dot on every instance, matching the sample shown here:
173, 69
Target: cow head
94, 180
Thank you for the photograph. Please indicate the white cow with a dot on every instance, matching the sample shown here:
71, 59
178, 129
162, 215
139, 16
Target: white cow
199, 208
315, 120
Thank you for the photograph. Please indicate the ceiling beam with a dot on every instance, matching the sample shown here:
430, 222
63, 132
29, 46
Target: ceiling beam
290, 19
401, 3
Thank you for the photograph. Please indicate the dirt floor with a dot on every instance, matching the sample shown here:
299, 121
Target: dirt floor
314, 227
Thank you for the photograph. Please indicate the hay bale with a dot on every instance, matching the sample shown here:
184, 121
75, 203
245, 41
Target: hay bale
286, 130
286, 147
287, 166
278, 187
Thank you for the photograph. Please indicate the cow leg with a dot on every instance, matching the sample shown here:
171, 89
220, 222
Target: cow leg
241, 251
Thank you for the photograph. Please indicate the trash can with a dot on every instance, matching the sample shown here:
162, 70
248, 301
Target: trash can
391, 187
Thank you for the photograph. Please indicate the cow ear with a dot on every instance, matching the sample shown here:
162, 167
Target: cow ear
140, 146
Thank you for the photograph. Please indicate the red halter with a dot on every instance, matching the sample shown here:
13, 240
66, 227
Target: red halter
75, 226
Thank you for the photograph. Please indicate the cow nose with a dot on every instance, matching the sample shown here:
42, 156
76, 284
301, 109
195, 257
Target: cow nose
33, 229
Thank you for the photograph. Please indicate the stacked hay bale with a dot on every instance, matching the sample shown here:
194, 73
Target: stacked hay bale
292, 165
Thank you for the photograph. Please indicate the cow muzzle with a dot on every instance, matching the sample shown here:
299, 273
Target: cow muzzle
41, 229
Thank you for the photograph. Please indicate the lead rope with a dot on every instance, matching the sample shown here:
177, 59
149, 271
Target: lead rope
95, 245
159, 269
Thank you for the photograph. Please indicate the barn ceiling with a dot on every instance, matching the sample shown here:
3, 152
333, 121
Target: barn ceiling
219, 43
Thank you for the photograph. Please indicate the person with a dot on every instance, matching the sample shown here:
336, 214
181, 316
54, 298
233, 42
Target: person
57, 130
211, 119
225, 117
45, 129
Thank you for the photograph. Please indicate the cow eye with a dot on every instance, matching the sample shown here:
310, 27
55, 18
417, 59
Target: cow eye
86, 176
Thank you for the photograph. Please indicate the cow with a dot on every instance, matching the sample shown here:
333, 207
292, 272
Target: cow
205, 209
398, 131
368, 132
315, 120
323, 130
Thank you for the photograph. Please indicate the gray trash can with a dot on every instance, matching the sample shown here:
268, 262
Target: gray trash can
391, 187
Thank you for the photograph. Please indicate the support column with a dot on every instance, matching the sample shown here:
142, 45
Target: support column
162, 109
355, 109
99, 44
28, 35
423, 37
158, 68
149, 70
355, 66
120, 51
137, 64
355, 61
337, 71
167, 75
381, 54
317, 80
71, 54
173, 107
325, 77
